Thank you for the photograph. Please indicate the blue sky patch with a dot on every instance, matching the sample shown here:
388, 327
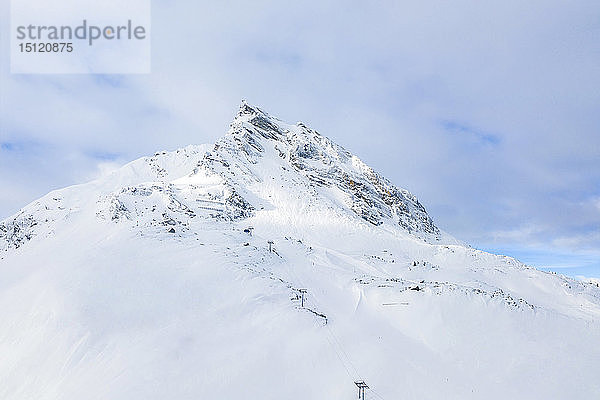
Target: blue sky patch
460, 128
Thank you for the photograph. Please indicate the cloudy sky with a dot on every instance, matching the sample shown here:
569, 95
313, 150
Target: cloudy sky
488, 111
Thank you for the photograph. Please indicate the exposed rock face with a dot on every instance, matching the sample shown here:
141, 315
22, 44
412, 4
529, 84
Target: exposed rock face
323, 162
15, 232
37, 219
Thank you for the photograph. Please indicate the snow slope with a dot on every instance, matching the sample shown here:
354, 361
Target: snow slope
157, 282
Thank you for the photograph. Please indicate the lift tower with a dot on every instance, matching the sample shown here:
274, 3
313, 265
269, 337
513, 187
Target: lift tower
361, 389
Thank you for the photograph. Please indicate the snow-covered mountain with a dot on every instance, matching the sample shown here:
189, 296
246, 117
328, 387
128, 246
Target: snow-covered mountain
274, 264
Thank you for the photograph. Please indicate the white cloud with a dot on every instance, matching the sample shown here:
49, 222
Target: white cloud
104, 169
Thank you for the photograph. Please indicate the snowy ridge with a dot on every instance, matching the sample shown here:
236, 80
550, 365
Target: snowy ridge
39, 218
182, 275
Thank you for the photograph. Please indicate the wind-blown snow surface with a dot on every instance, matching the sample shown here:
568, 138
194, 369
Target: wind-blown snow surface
145, 285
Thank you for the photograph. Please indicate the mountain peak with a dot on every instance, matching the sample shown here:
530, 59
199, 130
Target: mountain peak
249, 109
253, 120
256, 138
